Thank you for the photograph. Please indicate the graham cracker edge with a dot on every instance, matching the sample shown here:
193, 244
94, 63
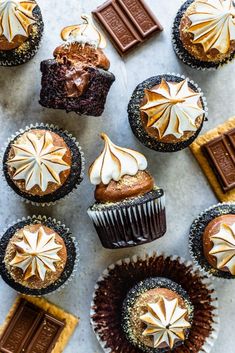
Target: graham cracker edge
195, 148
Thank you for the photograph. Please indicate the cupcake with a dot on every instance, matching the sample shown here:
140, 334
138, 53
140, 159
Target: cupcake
129, 208
154, 304
212, 241
37, 255
166, 112
77, 79
43, 164
204, 33
21, 28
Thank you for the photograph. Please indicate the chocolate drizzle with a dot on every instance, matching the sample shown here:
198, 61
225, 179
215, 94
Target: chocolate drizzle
120, 278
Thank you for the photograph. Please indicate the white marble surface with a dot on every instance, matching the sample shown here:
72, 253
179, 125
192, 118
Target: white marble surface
187, 191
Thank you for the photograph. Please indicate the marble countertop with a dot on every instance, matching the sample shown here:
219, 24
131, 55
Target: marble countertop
187, 190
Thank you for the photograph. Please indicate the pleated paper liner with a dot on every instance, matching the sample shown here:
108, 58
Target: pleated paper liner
196, 239
135, 114
72, 255
116, 281
29, 48
72, 182
132, 222
183, 54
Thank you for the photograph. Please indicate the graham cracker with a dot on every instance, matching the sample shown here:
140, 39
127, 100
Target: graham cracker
70, 320
196, 149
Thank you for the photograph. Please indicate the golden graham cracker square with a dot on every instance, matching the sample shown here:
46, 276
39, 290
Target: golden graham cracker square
70, 320
202, 160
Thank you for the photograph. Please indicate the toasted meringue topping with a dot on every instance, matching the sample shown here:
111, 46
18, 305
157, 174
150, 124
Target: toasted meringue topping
166, 322
224, 247
114, 162
38, 161
85, 33
213, 24
15, 18
172, 108
36, 253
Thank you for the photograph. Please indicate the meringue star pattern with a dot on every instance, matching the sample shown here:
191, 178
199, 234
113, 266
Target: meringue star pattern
213, 24
172, 108
36, 253
166, 322
15, 18
38, 161
224, 247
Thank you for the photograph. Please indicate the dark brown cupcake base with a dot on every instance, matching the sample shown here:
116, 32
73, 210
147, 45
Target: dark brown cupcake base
54, 95
132, 222
115, 284
196, 238
16, 57
136, 122
71, 255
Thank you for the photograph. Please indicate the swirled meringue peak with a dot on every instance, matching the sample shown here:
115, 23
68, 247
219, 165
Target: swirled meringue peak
172, 108
213, 24
15, 18
85, 33
115, 162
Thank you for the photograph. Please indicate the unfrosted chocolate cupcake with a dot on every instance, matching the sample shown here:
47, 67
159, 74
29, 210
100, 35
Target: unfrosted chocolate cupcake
129, 208
21, 28
204, 33
166, 112
37, 256
77, 79
43, 164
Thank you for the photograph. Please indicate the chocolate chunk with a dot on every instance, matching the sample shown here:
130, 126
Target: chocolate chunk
30, 330
128, 22
221, 156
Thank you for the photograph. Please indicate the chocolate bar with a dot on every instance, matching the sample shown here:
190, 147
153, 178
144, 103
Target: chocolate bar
30, 330
128, 22
221, 156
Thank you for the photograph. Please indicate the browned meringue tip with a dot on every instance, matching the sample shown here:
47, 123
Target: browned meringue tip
104, 136
66, 31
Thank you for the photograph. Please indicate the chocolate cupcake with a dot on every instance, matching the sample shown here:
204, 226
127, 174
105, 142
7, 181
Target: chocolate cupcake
77, 79
166, 112
43, 164
129, 208
154, 304
21, 28
37, 255
204, 33
212, 241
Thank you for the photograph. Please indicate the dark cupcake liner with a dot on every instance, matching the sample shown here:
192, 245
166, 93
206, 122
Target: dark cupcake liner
132, 222
142, 287
135, 115
14, 57
183, 54
119, 278
72, 182
72, 255
196, 239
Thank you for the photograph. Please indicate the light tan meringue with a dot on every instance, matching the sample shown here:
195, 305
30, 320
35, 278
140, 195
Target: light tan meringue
172, 108
114, 162
36, 253
224, 247
166, 322
15, 18
213, 24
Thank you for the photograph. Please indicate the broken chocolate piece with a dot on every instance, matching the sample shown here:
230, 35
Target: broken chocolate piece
128, 22
221, 156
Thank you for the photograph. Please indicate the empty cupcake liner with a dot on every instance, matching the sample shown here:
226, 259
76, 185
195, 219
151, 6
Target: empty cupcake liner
114, 284
21, 195
131, 222
72, 253
195, 239
135, 116
183, 54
